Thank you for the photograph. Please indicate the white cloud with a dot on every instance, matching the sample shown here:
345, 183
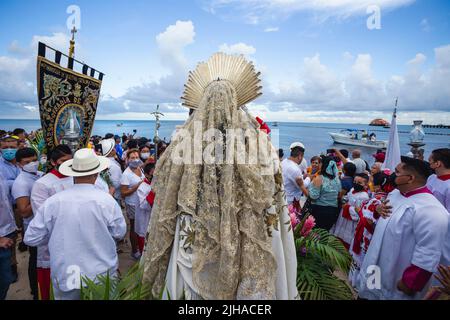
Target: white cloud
271, 29
172, 42
257, 11
237, 48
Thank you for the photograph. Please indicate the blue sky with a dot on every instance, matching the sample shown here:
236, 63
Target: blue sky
318, 59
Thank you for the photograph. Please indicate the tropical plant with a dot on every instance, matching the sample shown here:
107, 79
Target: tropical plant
105, 287
319, 256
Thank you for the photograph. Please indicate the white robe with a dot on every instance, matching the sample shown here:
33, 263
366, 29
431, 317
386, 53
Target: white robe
80, 225
413, 234
441, 190
179, 282
344, 229
143, 211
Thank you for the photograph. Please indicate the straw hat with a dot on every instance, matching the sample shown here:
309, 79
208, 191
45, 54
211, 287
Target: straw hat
84, 163
107, 146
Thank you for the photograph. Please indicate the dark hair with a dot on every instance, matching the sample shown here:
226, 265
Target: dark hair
144, 146
380, 178
148, 167
18, 131
296, 151
59, 151
325, 162
350, 169
130, 151
363, 175
280, 153
109, 136
344, 152
316, 158
25, 153
442, 155
420, 168
132, 144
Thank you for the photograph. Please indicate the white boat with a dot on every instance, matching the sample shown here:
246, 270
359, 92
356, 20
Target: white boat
358, 138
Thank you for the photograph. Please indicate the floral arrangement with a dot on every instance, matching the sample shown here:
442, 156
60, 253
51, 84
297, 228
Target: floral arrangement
320, 256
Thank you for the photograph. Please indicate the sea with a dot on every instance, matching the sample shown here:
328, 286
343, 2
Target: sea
315, 136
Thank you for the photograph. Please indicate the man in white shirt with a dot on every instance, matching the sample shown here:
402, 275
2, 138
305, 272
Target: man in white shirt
303, 164
359, 163
21, 192
408, 243
80, 225
292, 176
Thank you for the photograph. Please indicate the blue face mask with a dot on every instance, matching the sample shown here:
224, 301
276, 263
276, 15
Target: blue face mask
9, 154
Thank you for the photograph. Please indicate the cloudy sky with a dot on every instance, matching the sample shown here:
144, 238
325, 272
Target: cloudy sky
321, 60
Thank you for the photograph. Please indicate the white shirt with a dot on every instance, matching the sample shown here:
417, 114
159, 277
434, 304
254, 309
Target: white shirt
414, 234
360, 165
7, 222
440, 189
43, 189
291, 171
144, 210
116, 175
22, 187
130, 179
80, 225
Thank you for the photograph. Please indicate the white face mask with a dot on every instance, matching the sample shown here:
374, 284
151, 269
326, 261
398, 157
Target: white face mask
31, 167
43, 160
145, 155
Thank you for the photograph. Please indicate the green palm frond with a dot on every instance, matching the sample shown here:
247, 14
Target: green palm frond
329, 249
316, 281
319, 255
105, 287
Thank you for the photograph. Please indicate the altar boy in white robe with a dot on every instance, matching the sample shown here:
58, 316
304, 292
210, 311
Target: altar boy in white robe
408, 243
80, 225
439, 184
146, 199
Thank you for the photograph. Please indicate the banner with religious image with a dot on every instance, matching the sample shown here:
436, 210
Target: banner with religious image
67, 100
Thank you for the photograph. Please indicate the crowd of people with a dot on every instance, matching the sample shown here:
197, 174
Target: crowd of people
68, 209
355, 201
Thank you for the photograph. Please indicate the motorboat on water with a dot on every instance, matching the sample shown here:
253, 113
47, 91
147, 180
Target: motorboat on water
359, 138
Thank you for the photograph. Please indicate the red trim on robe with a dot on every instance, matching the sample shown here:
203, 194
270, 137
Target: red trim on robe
147, 182
58, 174
346, 212
141, 243
423, 189
416, 278
43, 280
151, 198
445, 177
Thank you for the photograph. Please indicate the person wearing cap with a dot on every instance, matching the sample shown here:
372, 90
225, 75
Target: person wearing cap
294, 184
80, 225
380, 156
303, 164
408, 241
108, 150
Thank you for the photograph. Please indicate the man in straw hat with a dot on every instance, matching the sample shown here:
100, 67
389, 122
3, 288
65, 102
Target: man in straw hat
80, 225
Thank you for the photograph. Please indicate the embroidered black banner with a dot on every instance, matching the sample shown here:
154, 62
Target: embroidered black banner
67, 101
